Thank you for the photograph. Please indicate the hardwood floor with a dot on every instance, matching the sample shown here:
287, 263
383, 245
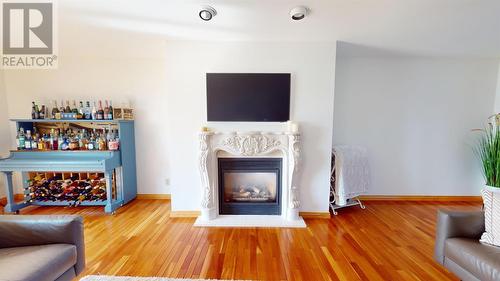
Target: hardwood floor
387, 241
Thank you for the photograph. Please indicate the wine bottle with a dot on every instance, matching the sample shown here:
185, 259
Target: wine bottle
55, 110
74, 109
37, 112
81, 111
42, 112
33, 111
62, 109
53, 139
110, 114
100, 112
68, 108
106, 110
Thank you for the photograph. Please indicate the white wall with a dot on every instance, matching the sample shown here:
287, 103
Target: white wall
140, 80
312, 68
4, 129
415, 116
497, 97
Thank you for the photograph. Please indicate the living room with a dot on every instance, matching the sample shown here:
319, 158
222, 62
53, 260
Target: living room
367, 128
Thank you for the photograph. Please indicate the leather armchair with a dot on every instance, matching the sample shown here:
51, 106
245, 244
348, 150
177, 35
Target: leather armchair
41, 247
458, 248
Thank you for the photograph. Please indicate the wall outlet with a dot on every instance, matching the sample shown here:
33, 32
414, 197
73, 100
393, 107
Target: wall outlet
167, 181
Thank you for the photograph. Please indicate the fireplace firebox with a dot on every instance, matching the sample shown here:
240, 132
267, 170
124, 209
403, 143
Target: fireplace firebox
250, 186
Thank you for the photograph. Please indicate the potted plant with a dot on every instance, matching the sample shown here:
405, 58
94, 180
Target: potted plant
488, 152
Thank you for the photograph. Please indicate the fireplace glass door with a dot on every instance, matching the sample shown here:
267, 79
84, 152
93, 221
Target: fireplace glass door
249, 186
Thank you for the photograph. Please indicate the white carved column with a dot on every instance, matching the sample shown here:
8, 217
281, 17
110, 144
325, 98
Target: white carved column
293, 168
207, 200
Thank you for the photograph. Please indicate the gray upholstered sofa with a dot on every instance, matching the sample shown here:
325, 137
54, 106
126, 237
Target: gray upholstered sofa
41, 248
458, 248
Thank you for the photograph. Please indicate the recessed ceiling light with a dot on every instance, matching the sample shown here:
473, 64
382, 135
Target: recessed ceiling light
299, 12
207, 13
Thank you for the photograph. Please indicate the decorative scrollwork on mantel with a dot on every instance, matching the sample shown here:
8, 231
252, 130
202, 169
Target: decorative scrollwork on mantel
206, 201
294, 145
250, 145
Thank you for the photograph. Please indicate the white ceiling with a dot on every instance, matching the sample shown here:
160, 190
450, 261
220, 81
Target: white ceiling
462, 28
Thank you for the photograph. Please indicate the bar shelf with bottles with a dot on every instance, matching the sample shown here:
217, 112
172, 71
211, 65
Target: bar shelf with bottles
72, 162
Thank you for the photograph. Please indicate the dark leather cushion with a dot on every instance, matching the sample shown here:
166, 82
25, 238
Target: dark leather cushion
482, 261
36, 263
33, 230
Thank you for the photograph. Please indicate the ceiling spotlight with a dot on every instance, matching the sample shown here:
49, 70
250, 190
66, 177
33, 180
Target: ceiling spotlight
299, 12
207, 13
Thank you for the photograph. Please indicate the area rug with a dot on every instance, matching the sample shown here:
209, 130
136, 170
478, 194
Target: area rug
128, 278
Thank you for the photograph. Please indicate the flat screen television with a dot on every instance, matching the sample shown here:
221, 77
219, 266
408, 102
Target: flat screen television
257, 97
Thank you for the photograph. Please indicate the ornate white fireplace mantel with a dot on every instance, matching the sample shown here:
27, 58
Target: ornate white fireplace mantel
283, 145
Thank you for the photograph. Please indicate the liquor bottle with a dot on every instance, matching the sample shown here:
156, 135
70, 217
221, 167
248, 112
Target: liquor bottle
37, 112
55, 110
20, 139
46, 142
55, 141
60, 140
81, 111
27, 141
100, 112
65, 144
94, 111
81, 141
102, 142
49, 108
67, 109
34, 142
106, 110
33, 111
74, 109
110, 114
47, 113
62, 109
52, 140
42, 112
114, 142
73, 142
88, 111
91, 142
41, 143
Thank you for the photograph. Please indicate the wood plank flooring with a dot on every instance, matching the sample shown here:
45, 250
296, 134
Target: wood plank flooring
387, 241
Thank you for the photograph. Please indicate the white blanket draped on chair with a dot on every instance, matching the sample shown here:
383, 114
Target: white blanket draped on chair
352, 173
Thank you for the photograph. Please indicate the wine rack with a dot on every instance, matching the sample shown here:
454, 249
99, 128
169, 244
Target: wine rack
73, 188
74, 178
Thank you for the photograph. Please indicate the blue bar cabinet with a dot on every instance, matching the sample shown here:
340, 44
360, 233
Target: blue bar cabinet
121, 162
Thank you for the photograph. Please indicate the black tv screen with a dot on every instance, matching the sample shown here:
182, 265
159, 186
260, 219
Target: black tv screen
259, 97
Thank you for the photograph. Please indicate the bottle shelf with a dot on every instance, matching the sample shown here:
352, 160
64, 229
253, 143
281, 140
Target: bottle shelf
117, 167
114, 121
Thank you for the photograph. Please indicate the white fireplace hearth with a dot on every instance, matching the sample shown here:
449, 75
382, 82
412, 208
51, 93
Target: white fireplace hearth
215, 145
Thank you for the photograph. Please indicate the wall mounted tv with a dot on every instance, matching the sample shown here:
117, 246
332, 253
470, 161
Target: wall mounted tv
257, 97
